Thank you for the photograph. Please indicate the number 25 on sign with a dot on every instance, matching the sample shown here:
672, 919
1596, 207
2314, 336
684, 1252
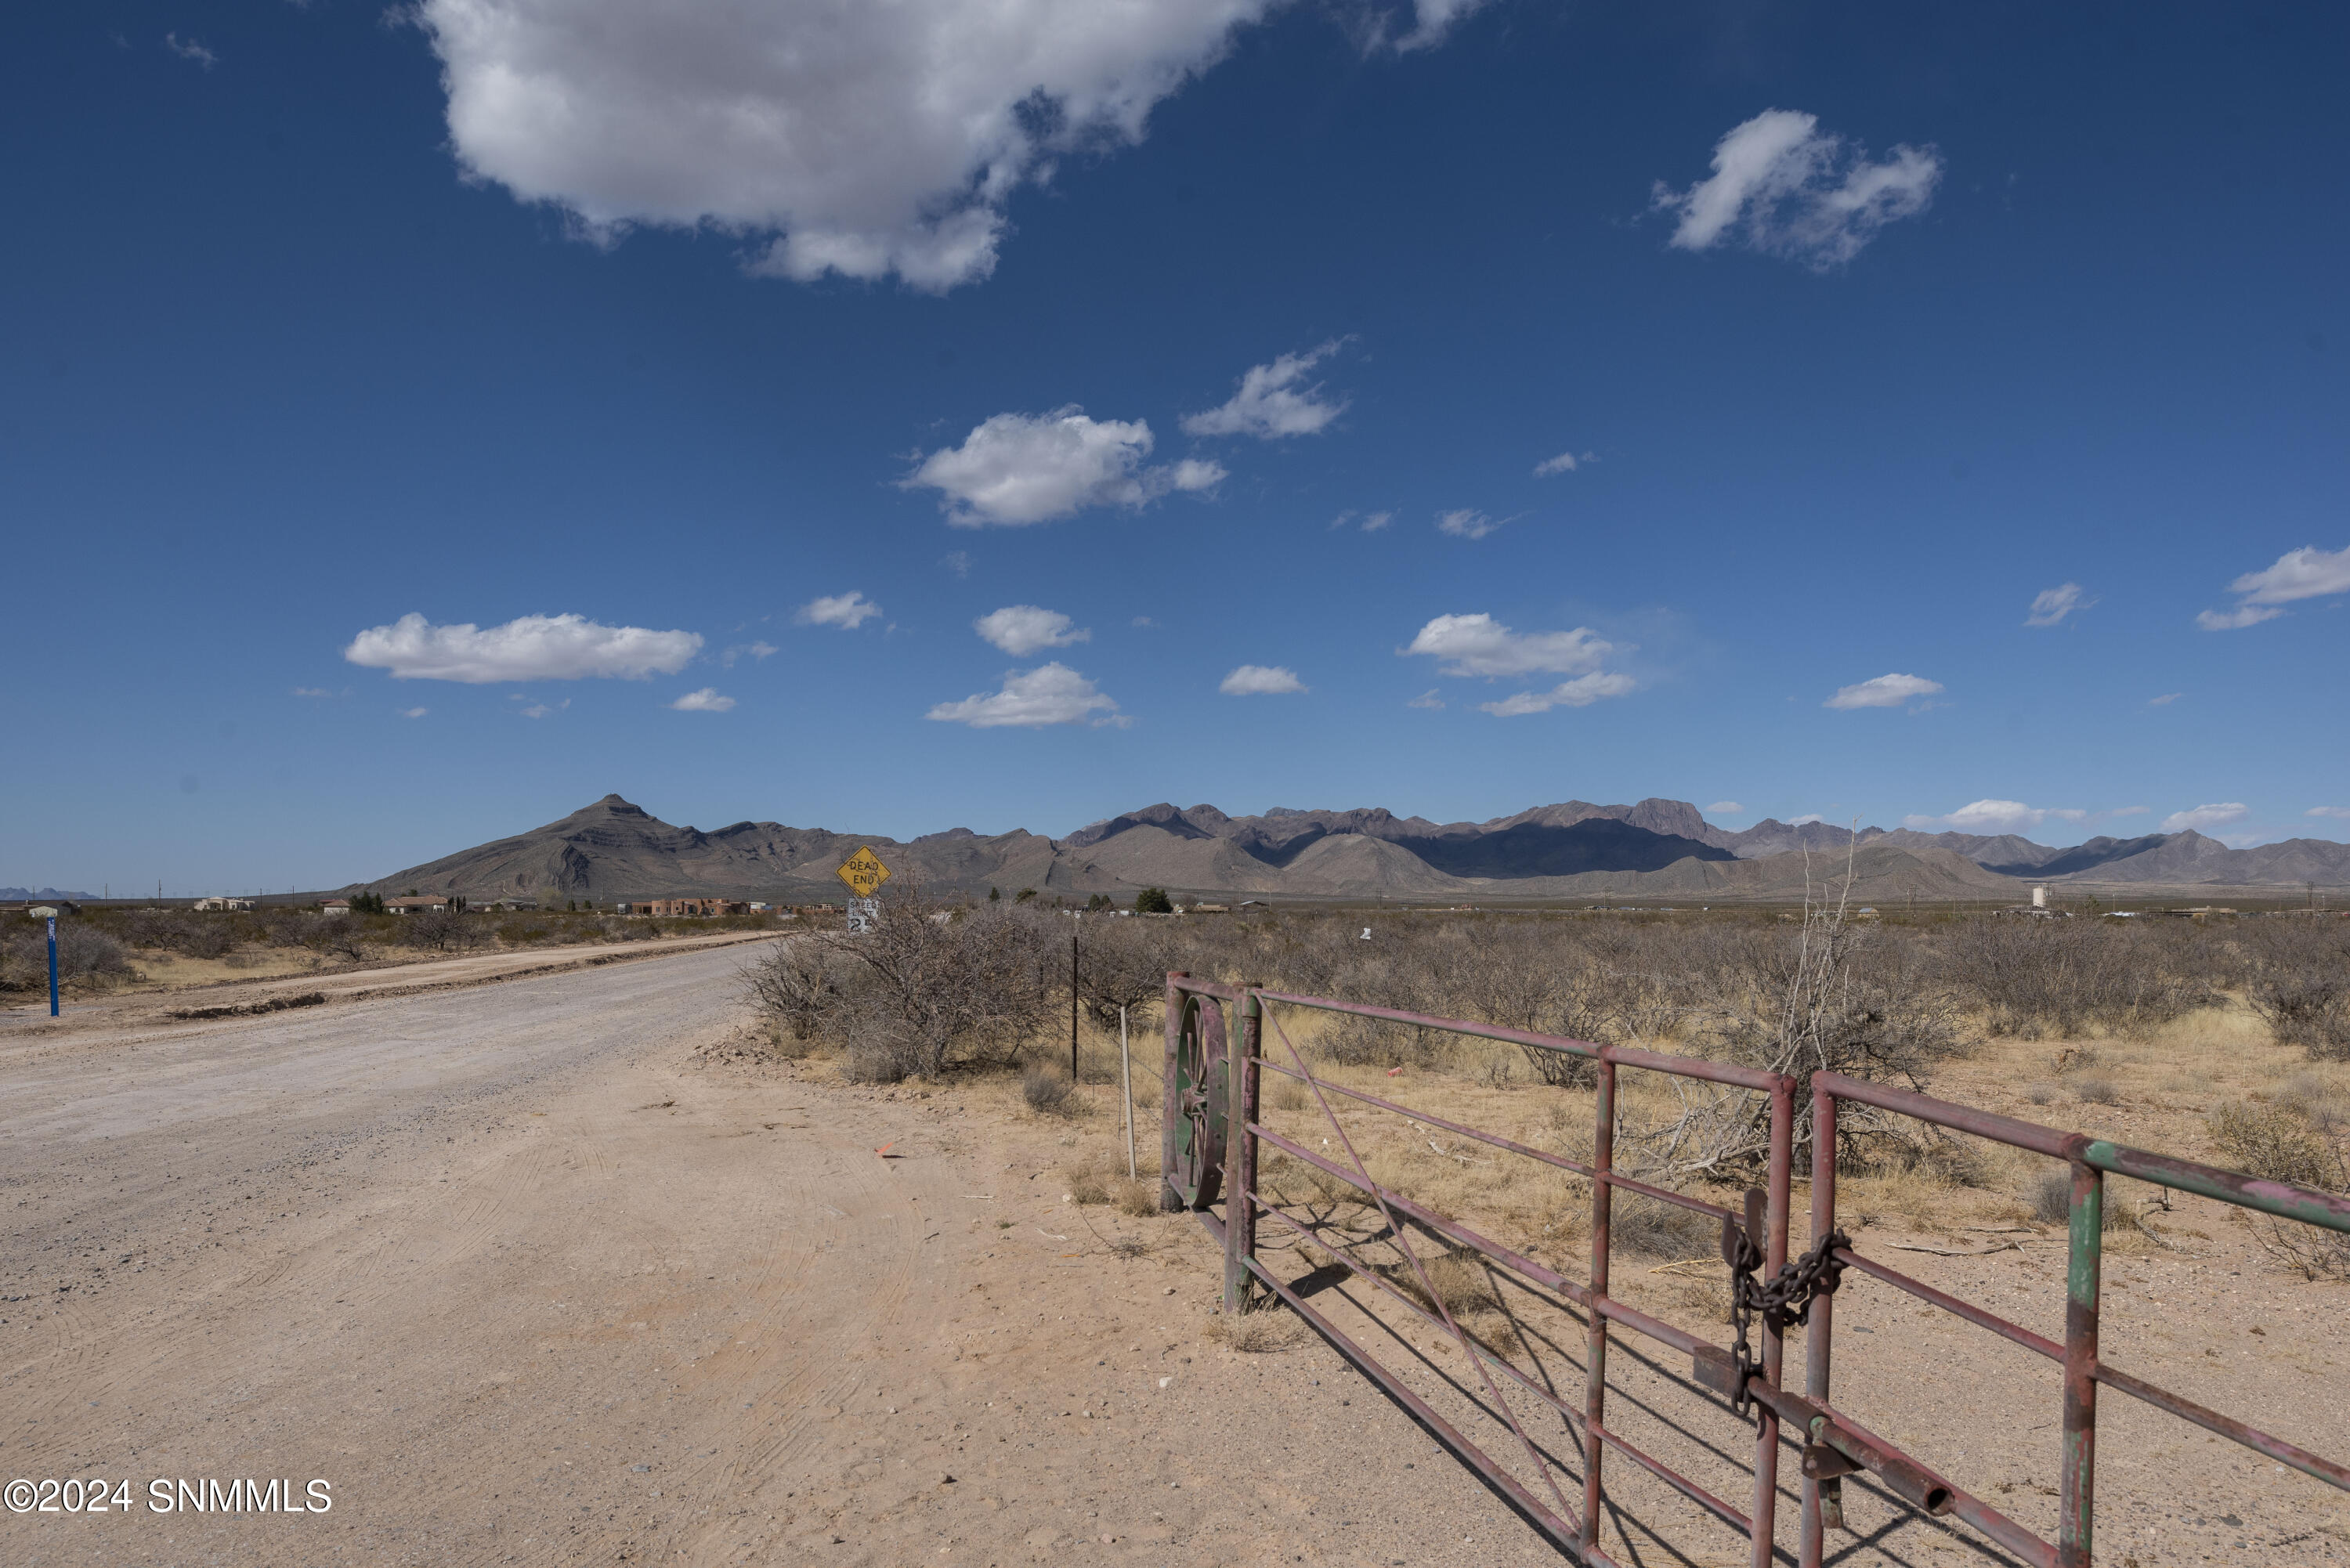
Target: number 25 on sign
864, 873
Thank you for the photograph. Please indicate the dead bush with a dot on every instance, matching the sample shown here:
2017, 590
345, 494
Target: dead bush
794, 984
2096, 1091
1464, 1279
442, 929
87, 957
2035, 978
1047, 1092
1258, 1332
2270, 1142
1122, 964
1137, 1198
1655, 1228
2310, 1008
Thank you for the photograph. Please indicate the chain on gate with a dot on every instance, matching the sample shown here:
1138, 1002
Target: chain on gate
1784, 1303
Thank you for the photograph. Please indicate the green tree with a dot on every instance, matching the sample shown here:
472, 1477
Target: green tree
1023, 894
1153, 901
1098, 901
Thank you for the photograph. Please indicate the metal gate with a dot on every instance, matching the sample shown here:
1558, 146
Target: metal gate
1212, 1130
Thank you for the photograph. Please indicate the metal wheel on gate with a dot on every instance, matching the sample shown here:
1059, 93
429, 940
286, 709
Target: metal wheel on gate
1196, 1173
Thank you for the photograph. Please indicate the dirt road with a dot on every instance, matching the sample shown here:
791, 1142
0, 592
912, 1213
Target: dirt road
527, 1281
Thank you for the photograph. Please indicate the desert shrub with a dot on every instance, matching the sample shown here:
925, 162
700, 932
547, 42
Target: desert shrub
2270, 1142
336, 936
1137, 1198
1047, 1092
2309, 1008
1655, 1228
87, 957
2034, 978
1122, 964
925, 995
2096, 1091
186, 932
442, 929
2050, 1197
797, 984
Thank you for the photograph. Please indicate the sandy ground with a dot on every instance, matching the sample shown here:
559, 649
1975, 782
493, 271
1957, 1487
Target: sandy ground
541, 1272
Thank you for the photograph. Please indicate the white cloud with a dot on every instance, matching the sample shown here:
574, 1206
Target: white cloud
1020, 630
530, 648
2164, 701
747, 651
1994, 816
188, 50
1727, 808
957, 561
1017, 469
848, 611
2342, 812
2236, 619
1565, 462
2205, 816
2051, 605
1273, 402
312, 692
1428, 698
706, 701
1049, 694
1142, 620
1375, 521
1466, 524
1806, 820
1260, 681
2303, 573
1432, 20
839, 135
414, 712
1884, 692
1580, 692
1474, 645
536, 711
1790, 190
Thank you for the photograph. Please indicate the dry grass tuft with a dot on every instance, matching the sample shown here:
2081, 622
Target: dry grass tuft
1258, 1332
1047, 1093
1137, 1198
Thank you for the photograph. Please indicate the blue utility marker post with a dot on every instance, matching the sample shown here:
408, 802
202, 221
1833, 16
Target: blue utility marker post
53, 966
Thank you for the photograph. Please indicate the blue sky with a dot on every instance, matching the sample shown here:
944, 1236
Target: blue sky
924, 427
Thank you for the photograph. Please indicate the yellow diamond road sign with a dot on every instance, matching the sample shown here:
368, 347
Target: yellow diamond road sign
864, 873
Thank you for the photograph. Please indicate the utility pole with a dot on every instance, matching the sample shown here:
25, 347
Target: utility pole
1073, 1002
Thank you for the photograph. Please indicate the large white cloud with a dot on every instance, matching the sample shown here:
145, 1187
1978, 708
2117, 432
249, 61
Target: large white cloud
1049, 694
1260, 681
1471, 644
1994, 816
1788, 188
1273, 401
1017, 469
850, 135
1022, 630
530, 648
1883, 691
2305, 574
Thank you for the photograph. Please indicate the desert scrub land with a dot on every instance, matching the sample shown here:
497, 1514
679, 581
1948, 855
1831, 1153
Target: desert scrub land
115, 949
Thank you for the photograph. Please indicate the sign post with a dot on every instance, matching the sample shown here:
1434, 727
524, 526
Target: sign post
864, 873
53, 966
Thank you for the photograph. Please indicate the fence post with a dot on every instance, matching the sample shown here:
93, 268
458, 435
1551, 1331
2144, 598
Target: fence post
2076, 1504
1774, 1255
1595, 1361
1822, 1506
1240, 1146
1168, 1203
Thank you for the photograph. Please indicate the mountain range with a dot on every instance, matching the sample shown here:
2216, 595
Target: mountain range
1654, 848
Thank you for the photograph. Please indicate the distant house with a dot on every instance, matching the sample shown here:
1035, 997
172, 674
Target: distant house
685, 908
334, 906
223, 903
409, 903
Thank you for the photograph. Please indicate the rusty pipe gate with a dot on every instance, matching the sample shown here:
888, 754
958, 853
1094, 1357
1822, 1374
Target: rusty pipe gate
1212, 1130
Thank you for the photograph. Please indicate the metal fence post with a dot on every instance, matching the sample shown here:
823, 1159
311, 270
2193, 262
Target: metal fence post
1594, 1364
1240, 1146
53, 966
2076, 1504
1169, 1202
1775, 1350
1823, 1506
